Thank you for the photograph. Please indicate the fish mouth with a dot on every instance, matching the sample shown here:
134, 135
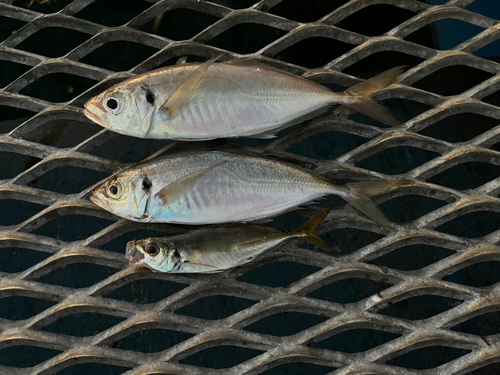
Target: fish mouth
94, 198
134, 256
90, 114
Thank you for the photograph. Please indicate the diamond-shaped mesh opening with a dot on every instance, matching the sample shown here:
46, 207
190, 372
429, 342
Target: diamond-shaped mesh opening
64, 87
420, 307
13, 211
118, 55
10, 71
444, 81
375, 20
215, 307
91, 324
483, 325
9, 258
315, 9
220, 357
25, 356
285, 324
457, 128
478, 275
170, 24
412, 257
356, 340
422, 295
112, 12
426, 358
152, 340
21, 307
57, 35
349, 290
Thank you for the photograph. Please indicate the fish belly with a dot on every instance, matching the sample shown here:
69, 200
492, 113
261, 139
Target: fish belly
240, 101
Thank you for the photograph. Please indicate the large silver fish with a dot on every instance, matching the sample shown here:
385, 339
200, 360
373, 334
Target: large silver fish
216, 249
218, 187
219, 100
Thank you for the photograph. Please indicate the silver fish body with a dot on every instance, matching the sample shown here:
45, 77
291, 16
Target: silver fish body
215, 249
218, 187
230, 101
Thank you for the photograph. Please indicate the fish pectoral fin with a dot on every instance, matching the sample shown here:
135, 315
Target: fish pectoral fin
183, 184
183, 94
201, 264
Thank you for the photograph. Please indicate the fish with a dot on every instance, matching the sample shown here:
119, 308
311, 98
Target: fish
211, 187
213, 250
203, 101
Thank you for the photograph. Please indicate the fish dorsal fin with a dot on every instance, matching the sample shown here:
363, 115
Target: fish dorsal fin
257, 63
183, 184
183, 94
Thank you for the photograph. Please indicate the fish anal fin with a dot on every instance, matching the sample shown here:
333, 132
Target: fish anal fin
265, 135
186, 91
182, 183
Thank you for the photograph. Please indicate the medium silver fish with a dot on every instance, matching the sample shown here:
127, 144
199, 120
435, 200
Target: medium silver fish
216, 249
219, 187
219, 100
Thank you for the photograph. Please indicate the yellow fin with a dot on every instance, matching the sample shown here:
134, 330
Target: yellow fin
186, 91
308, 230
361, 95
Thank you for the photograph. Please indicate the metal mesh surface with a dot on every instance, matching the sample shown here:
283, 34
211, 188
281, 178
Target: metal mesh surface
450, 224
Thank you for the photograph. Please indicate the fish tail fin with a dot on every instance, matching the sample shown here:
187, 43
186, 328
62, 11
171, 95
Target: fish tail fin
308, 230
358, 194
360, 98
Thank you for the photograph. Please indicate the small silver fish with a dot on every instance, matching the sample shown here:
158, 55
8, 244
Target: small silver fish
221, 100
219, 187
216, 249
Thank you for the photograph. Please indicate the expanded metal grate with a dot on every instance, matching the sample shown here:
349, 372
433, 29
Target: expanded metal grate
424, 296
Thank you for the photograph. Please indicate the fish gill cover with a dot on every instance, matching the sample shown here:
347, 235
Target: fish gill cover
424, 296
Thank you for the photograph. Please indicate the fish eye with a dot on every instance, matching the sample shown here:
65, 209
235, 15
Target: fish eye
152, 249
112, 104
114, 189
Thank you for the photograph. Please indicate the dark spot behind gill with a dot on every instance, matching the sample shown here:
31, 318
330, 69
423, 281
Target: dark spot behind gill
150, 97
146, 183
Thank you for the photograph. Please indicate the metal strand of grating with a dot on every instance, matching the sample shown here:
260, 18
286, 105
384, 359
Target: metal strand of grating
90, 148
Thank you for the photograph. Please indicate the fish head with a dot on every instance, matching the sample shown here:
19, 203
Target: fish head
126, 108
125, 195
154, 253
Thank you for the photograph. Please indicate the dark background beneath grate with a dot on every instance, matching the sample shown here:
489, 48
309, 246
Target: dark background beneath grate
181, 24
